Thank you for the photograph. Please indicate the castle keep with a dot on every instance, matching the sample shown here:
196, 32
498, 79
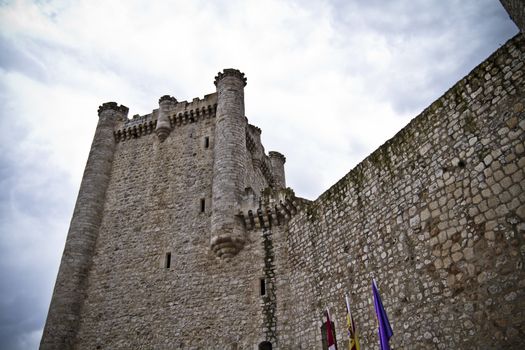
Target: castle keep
185, 236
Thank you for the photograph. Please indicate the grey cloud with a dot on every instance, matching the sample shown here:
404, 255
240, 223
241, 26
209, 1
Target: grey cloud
31, 201
420, 26
13, 58
22, 312
409, 18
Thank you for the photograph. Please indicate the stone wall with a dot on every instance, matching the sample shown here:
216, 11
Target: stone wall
436, 215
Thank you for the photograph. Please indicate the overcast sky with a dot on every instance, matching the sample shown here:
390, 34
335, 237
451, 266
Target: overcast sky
328, 82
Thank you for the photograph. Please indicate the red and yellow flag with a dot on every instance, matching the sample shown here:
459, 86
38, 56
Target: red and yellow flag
353, 338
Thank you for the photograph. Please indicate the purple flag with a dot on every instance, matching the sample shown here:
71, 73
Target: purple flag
385, 331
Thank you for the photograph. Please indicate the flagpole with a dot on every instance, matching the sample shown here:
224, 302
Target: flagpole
353, 335
385, 330
348, 325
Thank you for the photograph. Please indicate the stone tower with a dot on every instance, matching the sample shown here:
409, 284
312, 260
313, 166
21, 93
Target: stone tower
174, 191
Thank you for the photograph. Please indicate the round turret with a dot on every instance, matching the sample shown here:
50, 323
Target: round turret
166, 104
229, 168
230, 72
277, 161
109, 109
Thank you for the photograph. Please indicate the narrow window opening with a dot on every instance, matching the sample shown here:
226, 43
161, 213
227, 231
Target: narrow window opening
203, 205
263, 287
167, 261
206, 142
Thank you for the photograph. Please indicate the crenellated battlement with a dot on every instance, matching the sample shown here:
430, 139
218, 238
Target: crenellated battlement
182, 113
198, 103
113, 106
256, 149
279, 156
265, 167
191, 116
273, 208
230, 72
252, 133
168, 98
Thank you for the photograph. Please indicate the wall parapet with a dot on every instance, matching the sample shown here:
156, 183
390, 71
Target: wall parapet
274, 208
230, 72
183, 113
459, 98
259, 157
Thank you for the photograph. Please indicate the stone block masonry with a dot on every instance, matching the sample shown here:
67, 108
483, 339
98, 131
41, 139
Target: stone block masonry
185, 237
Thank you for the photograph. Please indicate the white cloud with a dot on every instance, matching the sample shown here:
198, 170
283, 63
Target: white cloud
328, 82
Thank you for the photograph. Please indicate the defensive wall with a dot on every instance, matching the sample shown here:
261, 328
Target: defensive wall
436, 215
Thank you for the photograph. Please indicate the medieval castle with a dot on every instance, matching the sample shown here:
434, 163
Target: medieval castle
185, 236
